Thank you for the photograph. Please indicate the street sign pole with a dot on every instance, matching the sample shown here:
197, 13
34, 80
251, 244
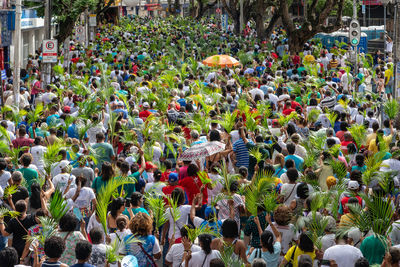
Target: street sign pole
47, 35
17, 52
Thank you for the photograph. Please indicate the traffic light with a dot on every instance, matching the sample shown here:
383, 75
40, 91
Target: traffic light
355, 32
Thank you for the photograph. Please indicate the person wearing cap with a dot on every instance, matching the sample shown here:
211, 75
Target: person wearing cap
210, 216
65, 179
145, 113
353, 188
173, 180
119, 109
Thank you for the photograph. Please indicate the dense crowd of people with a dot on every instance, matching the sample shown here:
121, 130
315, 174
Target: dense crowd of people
137, 154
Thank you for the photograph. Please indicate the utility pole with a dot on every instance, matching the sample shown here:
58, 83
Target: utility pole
241, 17
47, 36
396, 44
17, 52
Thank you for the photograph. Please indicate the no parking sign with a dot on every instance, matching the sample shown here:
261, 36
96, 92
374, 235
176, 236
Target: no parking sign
50, 51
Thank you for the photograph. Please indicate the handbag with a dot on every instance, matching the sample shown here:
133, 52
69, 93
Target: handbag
290, 263
152, 262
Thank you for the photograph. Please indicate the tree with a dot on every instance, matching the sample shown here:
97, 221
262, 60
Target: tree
233, 9
312, 24
200, 7
67, 12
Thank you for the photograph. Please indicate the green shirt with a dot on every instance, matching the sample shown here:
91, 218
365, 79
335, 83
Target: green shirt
134, 211
130, 188
373, 249
30, 175
98, 183
105, 152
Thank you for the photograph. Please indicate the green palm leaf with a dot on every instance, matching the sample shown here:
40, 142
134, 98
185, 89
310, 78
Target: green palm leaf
58, 206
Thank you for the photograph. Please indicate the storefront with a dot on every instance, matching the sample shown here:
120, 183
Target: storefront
32, 32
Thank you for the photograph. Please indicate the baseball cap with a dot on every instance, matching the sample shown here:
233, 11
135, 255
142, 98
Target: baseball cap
63, 164
353, 185
146, 105
209, 211
150, 165
67, 109
173, 177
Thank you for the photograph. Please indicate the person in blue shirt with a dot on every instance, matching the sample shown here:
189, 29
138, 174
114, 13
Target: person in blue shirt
119, 108
298, 161
83, 250
54, 118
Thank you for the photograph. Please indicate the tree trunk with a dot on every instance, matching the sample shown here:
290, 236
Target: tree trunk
192, 9
271, 24
177, 6
65, 29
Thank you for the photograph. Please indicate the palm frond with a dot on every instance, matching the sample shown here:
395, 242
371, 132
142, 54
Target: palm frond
359, 134
104, 196
391, 108
58, 206
157, 207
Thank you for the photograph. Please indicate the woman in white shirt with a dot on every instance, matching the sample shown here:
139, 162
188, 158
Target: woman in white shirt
175, 253
203, 257
82, 197
37, 151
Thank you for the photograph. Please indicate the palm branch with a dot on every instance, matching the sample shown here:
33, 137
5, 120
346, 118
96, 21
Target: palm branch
113, 250
157, 205
104, 196
227, 256
49, 229
5, 135
203, 175
339, 168
58, 207
52, 156
10, 190
391, 108
5, 212
313, 115
227, 177
34, 115
173, 210
332, 116
227, 121
193, 233
359, 134
255, 153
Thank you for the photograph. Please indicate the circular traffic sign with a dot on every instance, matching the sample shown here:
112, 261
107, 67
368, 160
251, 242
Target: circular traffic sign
50, 45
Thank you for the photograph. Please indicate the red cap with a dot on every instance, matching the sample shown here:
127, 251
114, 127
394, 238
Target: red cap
150, 165
67, 109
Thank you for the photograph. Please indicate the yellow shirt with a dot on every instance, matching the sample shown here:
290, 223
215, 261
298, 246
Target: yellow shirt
369, 138
372, 145
388, 75
297, 254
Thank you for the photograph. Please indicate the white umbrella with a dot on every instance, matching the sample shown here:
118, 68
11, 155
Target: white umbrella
202, 150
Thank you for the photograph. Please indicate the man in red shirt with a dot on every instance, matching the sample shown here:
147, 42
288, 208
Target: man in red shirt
193, 185
145, 113
288, 109
22, 141
172, 184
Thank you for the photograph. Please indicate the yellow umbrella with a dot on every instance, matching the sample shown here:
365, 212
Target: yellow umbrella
220, 61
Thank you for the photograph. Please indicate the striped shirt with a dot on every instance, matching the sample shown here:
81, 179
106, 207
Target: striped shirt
329, 102
242, 153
